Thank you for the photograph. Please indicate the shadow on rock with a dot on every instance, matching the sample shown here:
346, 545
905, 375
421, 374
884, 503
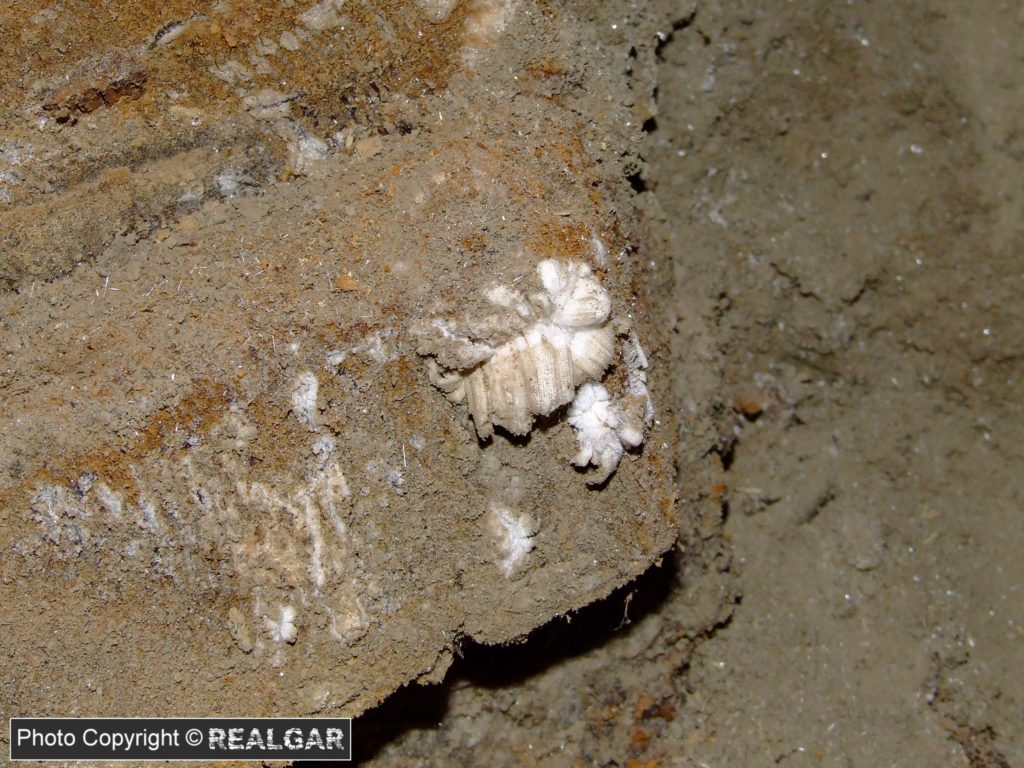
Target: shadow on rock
501, 666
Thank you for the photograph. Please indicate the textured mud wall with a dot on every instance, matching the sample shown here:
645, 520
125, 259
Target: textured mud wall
122, 117
228, 484
841, 191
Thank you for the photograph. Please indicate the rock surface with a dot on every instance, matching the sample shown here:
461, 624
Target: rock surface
227, 483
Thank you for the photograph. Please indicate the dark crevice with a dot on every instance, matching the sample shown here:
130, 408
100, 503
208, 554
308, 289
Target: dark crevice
726, 449
677, 25
504, 666
637, 182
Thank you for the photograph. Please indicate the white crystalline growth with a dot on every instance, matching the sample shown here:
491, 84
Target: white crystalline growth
323, 15
306, 150
436, 11
284, 630
304, 395
515, 537
636, 376
549, 343
539, 351
603, 430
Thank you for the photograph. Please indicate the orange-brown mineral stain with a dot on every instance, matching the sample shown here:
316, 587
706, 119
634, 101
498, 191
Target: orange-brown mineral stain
717, 492
560, 240
195, 412
474, 243
346, 283
647, 708
748, 406
636, 762
173, 46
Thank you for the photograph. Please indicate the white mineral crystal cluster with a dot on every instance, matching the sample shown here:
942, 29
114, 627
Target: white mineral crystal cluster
604, 430
539, 353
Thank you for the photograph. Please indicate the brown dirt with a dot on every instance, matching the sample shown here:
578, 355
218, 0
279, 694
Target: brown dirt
166, 496
820, 232
840, 188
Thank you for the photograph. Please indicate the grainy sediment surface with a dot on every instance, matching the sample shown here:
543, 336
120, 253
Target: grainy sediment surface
228, 483
839, 187
811, 214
